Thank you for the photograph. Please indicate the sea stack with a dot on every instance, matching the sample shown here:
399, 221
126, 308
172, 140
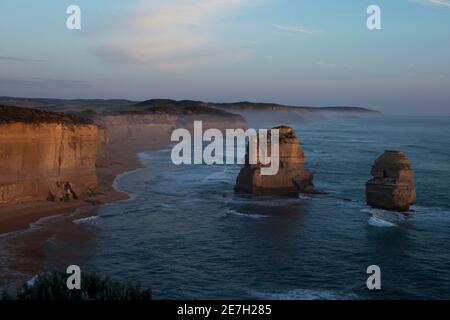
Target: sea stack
291, 178
392, 186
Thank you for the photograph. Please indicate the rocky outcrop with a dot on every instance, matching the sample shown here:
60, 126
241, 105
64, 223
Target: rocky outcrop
392, 186
291, 178
46, 156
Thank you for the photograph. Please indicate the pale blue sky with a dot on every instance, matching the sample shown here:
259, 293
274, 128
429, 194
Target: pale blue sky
313, 52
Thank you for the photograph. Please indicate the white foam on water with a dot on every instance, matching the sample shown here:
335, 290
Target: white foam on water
45, 220
375, 221
304, 294
88, 220
168, 205
164, 150
305, 197
32, 281
220, 176
42, 222
362, 141
246, 215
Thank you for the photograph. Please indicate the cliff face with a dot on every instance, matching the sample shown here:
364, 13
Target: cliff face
137, 132
47, 158
392, 186
291, 178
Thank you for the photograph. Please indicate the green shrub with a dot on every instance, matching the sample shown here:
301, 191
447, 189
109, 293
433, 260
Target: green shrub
52, 286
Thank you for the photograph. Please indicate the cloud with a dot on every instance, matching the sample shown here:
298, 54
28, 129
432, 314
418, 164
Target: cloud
17, 59
445, 3
297, 29
40, 86
173, 35
442, 3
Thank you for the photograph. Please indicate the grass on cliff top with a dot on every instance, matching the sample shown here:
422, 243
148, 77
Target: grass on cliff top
173, 107
52, 286
10, 114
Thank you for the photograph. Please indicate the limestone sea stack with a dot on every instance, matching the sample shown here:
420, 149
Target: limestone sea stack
392, 186
291, 179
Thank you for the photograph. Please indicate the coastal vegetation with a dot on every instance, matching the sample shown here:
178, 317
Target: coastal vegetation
51, 285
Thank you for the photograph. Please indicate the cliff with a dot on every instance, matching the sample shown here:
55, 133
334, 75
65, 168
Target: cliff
392, 186
344, 110
291, 178
46, 155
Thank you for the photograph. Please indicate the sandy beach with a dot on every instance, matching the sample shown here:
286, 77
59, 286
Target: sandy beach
121, 156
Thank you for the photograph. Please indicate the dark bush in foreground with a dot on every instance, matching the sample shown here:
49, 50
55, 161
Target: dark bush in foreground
52, 286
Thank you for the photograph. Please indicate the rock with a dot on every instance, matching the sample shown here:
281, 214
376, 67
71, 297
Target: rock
392, 186
46, 156
291, 178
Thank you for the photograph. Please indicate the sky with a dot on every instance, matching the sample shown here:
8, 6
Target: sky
303, 52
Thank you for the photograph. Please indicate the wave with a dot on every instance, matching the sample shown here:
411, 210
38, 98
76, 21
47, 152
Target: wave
362, 141
304, 294
42, 222
45, 220
164, 150
93, 220
421, 209
220, 176
381, 212
33, 226
384, 218
380, 223
305, 197
246, 215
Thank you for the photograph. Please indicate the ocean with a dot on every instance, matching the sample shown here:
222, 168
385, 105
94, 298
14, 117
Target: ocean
185, 234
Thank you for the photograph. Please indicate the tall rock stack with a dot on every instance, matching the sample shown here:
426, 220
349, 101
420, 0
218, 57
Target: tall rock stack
392, 186
291, 178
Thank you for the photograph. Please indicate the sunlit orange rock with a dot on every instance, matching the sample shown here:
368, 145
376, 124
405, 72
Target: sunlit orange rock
393, 185
291, 179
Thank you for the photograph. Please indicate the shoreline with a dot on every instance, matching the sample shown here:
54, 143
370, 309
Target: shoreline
121, 155
20, 217
27, 233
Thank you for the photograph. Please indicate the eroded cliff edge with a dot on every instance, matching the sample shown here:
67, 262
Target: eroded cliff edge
47, 156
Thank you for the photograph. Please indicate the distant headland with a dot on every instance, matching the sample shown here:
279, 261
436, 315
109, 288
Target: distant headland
170, 106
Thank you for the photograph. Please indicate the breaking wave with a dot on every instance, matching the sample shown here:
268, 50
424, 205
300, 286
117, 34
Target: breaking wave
88, 220
246, 215
375, 221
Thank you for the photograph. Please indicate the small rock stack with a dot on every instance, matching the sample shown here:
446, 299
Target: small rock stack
291, 178
392, 186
